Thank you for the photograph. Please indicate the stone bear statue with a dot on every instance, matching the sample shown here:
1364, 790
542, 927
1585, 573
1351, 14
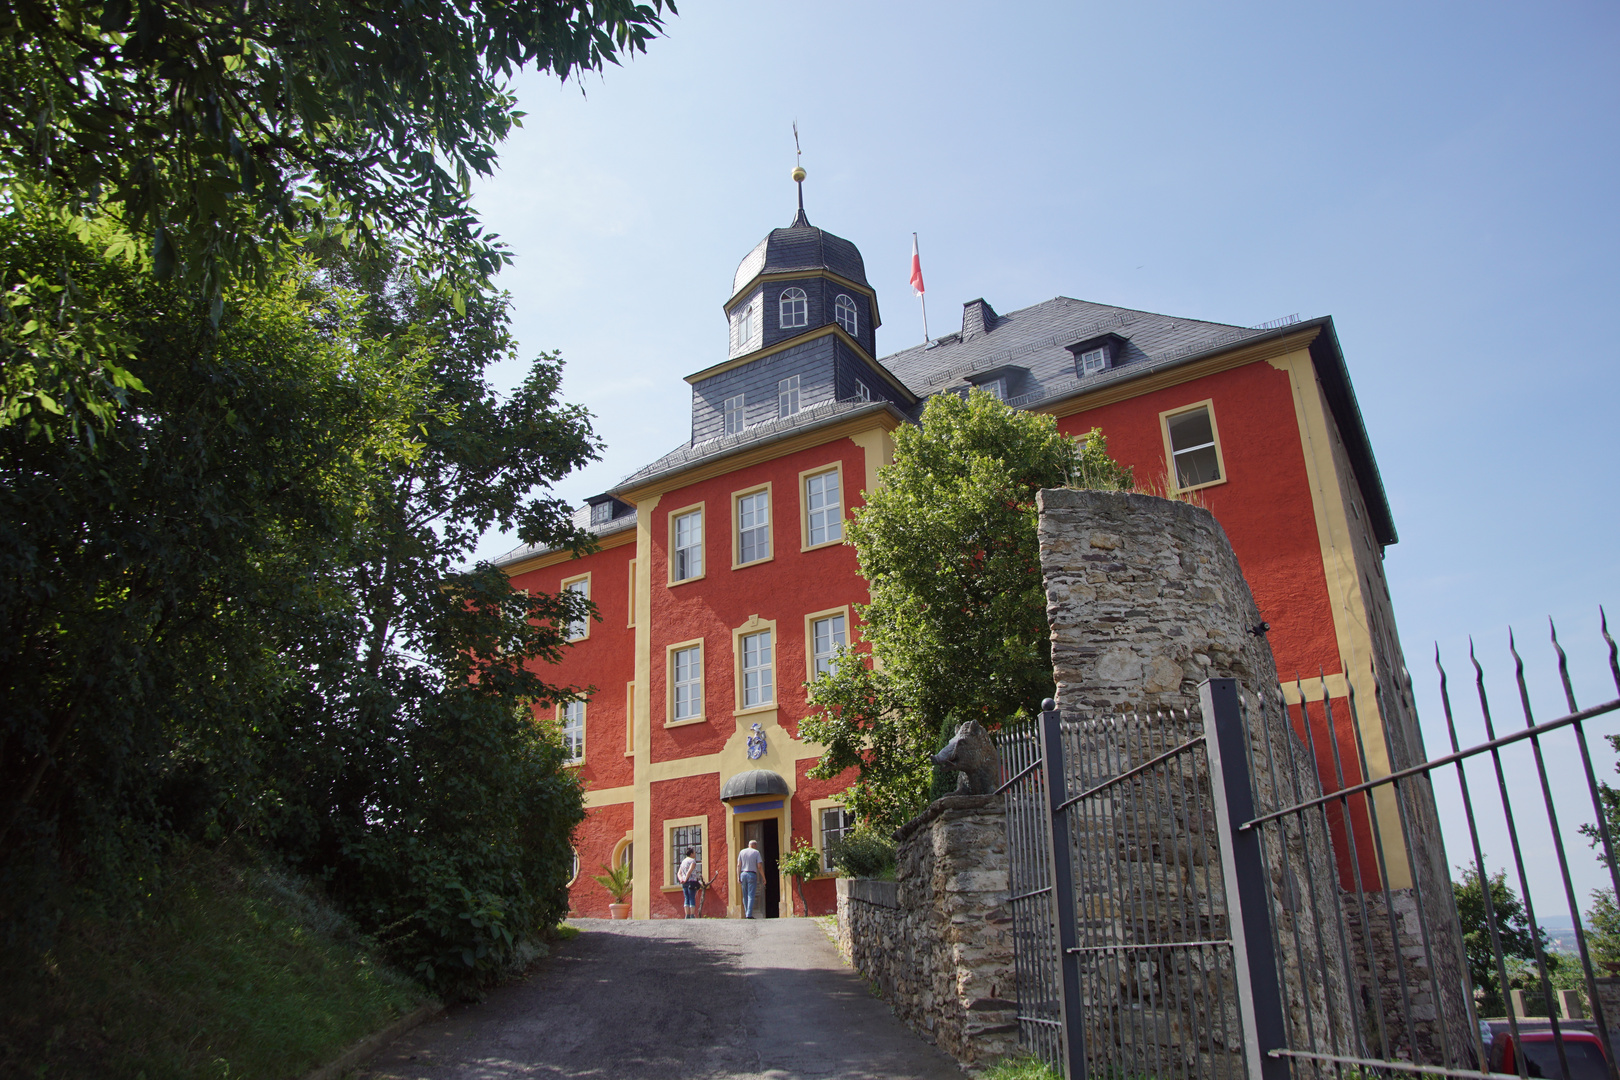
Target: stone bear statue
971, 753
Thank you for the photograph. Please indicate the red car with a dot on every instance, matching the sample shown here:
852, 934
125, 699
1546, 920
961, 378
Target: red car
1582, 1050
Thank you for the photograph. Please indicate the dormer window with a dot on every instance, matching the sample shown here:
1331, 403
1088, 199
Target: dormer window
847, 314
795, 308
734, 414
996, 388
1095, 355
862, 392
787, 396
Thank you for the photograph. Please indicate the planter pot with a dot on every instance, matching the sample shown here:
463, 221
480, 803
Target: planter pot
619, 911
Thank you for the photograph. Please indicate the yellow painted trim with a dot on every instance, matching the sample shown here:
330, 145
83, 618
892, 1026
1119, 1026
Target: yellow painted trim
770, 525
804, 505
703, 544
641, 904
1354, 638
669, 683
709, 468
790, 275
1170, 475
829, 330
631, 603
1133, 388
617, 857
552, 558
670, 825
877, 443
613, 796
810, 621
562, 586
754, 625
1335, 686
630, 719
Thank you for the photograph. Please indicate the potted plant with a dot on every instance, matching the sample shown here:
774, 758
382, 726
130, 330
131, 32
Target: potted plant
617, 882
801, 864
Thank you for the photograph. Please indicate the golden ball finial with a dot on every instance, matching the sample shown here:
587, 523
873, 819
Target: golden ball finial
798, 174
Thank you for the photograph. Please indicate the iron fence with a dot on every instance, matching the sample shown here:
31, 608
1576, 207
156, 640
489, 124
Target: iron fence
1261, 888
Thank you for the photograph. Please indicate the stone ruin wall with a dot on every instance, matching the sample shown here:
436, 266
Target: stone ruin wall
1146, 600
936, 943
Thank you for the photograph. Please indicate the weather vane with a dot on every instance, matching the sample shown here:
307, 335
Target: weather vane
798, 167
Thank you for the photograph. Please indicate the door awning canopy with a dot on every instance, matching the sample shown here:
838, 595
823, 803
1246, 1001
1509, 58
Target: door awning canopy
753, 782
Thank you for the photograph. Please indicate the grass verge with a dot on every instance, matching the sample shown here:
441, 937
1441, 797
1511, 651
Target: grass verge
235, 972
1021, 1067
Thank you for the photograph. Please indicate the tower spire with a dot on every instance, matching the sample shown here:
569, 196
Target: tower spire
798, 178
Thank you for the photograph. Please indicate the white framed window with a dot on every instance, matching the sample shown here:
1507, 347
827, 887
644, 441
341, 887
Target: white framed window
753, 526
686, 683
743, 327
758, 663
686, 545
1093, 360
573, 731
681, 835
573, 871
847, 314
787, 396
828, 636
996, 388
795, 308
1194, 446
579, 627
862, 392
734, 414
835, 823
823, 509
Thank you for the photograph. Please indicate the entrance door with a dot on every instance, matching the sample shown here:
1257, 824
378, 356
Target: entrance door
769, 846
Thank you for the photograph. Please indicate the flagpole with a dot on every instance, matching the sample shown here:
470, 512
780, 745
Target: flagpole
922, 296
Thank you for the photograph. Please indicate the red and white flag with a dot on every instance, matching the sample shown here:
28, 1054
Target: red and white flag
916, 268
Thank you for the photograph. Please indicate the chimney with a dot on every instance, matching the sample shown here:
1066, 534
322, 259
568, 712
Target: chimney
978, 317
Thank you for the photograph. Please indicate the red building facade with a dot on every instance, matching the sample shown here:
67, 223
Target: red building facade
722, 578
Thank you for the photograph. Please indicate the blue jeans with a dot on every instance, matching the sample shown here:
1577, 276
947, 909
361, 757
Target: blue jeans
750, 886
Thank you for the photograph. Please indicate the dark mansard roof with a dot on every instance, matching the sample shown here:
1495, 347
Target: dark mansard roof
801, 247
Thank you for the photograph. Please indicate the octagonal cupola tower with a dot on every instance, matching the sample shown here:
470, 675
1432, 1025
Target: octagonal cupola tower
799, 281
802, 318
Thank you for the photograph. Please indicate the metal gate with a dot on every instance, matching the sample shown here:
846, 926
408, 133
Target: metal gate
1243, 890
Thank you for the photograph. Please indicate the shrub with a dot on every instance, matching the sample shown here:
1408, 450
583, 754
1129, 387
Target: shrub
863, 852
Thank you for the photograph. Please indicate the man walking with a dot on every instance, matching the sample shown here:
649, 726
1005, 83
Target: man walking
749, 861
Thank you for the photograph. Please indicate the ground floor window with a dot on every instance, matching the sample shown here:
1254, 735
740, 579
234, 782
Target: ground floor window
682, 837
835, 822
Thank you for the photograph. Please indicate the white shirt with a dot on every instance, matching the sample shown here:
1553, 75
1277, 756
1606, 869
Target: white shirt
687, 871
749, 860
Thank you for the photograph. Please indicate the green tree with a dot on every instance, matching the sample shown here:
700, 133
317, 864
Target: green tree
218, 135
957, 620
420, 786
148, 578
1517, 938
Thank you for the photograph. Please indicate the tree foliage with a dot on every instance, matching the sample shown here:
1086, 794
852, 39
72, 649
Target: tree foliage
239, 611
215, 136
957, 619
1518, 939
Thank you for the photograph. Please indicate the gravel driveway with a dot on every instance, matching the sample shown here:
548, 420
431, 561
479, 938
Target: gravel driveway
671, 1000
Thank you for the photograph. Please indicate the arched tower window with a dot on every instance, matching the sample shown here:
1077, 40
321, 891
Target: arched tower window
845, 312
795, 308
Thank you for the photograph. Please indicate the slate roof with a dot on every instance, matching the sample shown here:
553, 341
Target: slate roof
801, 246
582, 519
1033, 342
1031, 349
689, 454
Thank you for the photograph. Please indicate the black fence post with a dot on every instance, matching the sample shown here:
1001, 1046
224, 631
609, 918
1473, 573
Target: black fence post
1074, 1039
1248, 899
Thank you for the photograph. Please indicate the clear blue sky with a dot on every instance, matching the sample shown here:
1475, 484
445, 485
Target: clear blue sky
1441, 179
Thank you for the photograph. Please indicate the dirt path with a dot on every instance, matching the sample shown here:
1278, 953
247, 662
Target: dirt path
673, 1000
